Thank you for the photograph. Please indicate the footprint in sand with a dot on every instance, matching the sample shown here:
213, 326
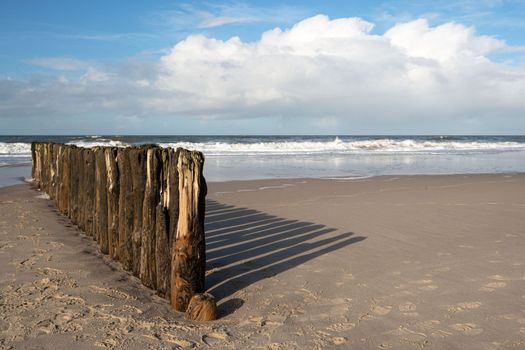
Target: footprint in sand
113, 293
464, 306
180, 343
55, 244
408, 309
424, 281
65, 321
440, 333
107, 343
510, 316
407, 335
429, 287
338, 340
45, 327
5, 246
341, 327
467, 328
497, 278
426, 286
215, 337
490, 287
381, 310
427, 325
281, 346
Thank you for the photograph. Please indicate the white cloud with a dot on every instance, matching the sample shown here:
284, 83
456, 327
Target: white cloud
446, 42
412, 78
337, 67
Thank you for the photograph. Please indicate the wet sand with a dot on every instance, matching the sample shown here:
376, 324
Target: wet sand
405, 262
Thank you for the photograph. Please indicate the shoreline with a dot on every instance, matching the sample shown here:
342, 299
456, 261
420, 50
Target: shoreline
19, 180
361, 177
399, 262
23, 180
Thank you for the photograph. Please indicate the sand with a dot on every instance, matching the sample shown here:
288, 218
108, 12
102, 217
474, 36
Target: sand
405, 262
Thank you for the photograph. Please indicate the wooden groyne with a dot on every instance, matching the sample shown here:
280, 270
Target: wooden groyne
143, 205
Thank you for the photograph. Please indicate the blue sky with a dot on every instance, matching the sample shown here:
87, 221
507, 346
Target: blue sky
92, 48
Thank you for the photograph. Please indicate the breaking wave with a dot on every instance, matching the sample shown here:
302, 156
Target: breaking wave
297, 146
338, 146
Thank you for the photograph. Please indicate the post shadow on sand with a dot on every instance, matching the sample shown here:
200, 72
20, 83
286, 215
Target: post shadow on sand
244, 246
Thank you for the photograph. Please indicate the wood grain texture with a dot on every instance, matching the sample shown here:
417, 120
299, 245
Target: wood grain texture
112, 190
188, 256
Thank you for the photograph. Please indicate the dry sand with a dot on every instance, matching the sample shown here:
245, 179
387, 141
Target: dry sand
404, 262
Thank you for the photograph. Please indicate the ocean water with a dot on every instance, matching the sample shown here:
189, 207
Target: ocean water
263, 157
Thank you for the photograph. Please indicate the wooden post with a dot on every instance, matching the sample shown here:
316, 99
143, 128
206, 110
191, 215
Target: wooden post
125, 213
89, 195
76, 171
188, 256
63, 199
137, 159
113, 189
148, 270
101, 200
162, 225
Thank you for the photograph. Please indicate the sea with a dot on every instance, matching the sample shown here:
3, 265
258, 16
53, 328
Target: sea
229, 158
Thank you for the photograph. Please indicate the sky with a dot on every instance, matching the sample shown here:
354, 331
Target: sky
262, 67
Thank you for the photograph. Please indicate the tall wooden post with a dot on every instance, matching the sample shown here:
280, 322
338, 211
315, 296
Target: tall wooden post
125, 214
101, 200
113, 190
148, 268
137, 160
188, 260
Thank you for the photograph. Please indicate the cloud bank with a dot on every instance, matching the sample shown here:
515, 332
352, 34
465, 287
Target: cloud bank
320, 75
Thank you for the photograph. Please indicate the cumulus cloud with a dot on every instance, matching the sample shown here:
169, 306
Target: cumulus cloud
337, 67
322, 73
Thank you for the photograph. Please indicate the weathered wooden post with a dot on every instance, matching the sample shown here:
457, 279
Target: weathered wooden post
113, 190
89, 194
101, 201
162, 226
63, 198
74, 173
148, 267
137, 160
125, 214
188, 259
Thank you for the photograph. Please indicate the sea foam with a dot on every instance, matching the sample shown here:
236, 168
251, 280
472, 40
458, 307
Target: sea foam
302, 147
338, 146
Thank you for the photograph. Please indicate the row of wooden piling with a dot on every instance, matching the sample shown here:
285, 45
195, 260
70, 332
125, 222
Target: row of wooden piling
143, 205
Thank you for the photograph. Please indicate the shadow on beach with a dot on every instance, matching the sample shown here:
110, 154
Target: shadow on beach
244, 246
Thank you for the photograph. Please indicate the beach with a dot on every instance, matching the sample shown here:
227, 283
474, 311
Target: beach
388, 262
